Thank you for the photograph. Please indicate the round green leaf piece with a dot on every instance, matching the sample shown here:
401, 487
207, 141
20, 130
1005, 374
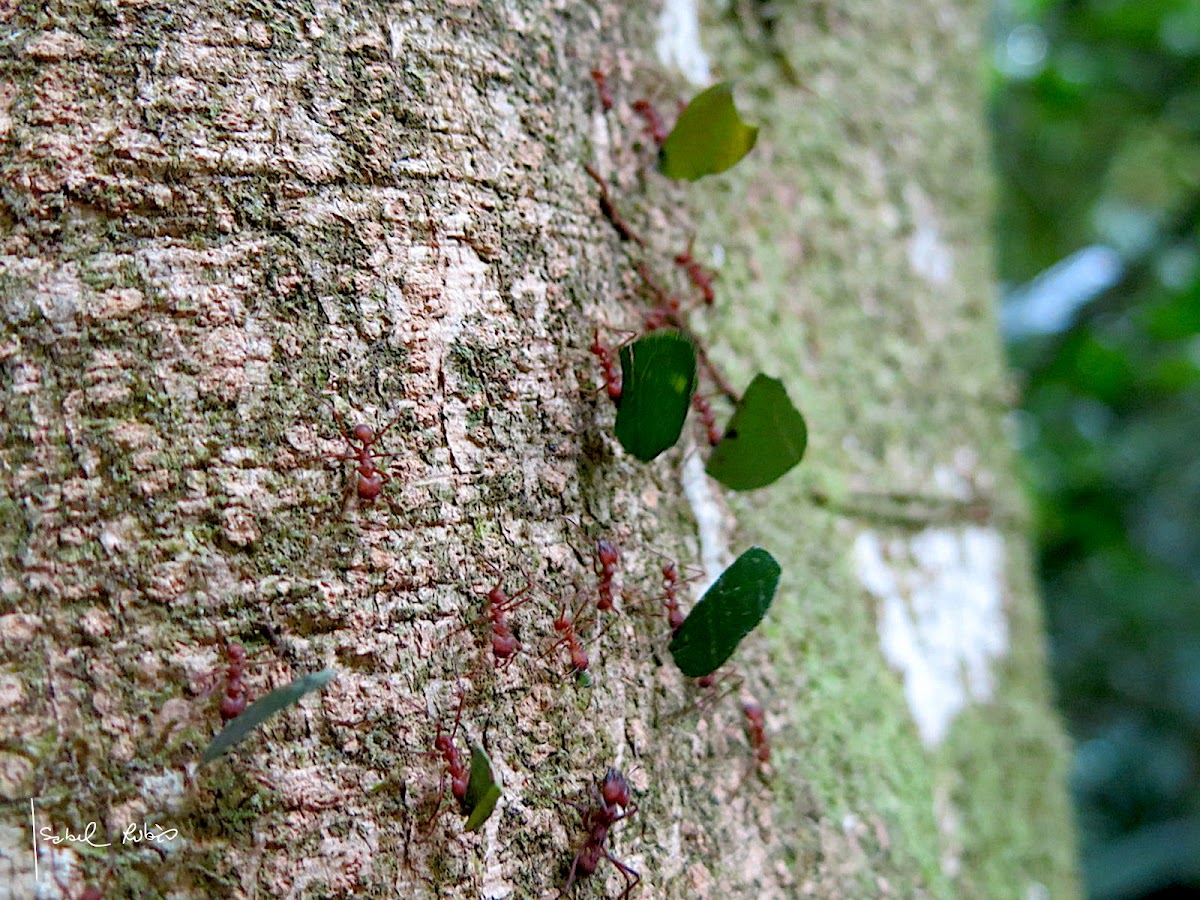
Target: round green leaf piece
709, 136
658, 377
728, 611
765, 438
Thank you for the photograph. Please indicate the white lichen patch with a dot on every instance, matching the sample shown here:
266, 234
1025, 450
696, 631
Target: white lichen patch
941, 617
710, 519
678, 44
928, 253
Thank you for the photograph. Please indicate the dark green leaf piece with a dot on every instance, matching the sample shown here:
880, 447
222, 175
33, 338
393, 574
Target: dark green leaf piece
728, 611
765, 438
708, 138
483, 790
658, 376
262, 709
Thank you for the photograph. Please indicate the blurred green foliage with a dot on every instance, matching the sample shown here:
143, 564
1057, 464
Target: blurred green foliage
1096, 111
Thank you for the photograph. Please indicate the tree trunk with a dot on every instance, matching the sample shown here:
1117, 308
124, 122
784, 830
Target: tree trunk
223, 223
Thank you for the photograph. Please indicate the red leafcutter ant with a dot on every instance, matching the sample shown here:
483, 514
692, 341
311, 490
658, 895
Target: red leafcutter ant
756, 732
361, 438
606, 568
497, 606
655, 127
566, 627
703, 409
666, 310
452, 761
611, 803
234, 695
670, 590
233, 698
612, 378
670, 573
606, 100
622, 227
697, 274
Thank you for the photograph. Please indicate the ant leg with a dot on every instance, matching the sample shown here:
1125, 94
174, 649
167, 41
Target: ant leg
572, 876
631, 877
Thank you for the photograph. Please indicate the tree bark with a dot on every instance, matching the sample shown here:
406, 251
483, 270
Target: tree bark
226, 227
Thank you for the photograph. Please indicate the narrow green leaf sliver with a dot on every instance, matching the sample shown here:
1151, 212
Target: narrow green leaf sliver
262, 709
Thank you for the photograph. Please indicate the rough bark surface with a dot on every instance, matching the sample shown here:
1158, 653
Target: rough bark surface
224, 222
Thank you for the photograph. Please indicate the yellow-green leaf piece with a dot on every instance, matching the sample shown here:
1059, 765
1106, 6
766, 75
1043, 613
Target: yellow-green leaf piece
483, 790
708, 138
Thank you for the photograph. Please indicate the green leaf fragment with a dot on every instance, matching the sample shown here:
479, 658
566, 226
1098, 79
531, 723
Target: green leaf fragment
765, 438
658, 377
483, 790
708, 138
728, 611
262, 709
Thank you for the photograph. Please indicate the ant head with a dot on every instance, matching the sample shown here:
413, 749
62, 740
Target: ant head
753, 712
364, 434
443, 742
606, 552
496, 596
615, 789
236, 652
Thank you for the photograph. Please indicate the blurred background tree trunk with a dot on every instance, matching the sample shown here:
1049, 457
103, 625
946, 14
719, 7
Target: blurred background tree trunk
223, 223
